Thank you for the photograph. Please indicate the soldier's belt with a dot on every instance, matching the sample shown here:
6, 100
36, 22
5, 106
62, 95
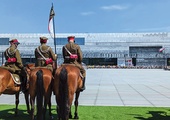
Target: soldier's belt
67, 57
72, 56
41, 58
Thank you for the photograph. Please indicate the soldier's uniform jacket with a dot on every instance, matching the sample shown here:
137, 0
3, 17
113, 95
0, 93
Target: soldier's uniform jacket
13, 53
73, 49
47, 52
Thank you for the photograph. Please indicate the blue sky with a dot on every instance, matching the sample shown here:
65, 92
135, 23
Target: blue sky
85, 16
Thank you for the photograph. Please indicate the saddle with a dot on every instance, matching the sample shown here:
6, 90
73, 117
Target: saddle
14, 76
32, 66
16, 79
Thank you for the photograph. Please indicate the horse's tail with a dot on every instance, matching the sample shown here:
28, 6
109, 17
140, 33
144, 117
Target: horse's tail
63, 94
40, 92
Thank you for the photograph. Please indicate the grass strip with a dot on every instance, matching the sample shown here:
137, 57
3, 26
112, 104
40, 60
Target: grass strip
96, 113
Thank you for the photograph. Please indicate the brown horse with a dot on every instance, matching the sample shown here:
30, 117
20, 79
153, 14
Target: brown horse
40, 81
8, 86
67, 82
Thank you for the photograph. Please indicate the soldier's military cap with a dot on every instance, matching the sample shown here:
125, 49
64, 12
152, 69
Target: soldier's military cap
14, 41
43, 39
70, 38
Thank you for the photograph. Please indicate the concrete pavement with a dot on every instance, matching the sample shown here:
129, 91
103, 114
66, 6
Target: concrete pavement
120, 87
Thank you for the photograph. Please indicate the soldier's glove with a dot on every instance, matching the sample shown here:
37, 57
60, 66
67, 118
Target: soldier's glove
56, 56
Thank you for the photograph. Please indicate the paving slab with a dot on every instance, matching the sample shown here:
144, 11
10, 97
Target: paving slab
120, 87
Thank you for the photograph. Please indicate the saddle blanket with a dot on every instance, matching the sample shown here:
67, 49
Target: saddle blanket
16, 79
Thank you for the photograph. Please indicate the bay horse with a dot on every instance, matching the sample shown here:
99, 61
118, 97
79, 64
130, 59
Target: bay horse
8, 86
40, 81
67, 83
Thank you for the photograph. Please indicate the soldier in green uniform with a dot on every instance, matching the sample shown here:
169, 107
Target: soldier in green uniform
13, 61
44, 55
72, 54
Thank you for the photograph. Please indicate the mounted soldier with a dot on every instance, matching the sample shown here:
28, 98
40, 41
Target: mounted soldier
14, 62
45, 56
72, 54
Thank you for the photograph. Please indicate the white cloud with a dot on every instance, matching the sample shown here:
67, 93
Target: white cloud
114, 7
87, 13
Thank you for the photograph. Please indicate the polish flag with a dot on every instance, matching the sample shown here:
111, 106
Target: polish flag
50, 23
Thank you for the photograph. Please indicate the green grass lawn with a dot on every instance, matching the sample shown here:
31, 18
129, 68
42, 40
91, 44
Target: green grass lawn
96, 113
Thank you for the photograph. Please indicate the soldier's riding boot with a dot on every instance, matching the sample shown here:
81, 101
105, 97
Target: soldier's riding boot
23, 86
23, 82
83, 86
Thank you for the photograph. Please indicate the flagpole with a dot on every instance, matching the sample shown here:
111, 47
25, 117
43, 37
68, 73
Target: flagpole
51, 29
54, 33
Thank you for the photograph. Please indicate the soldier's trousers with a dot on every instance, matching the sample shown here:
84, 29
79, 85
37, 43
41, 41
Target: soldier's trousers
82, 70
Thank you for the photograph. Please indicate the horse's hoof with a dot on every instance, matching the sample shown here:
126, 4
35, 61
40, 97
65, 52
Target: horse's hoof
34, 118
16, 114
70, 116
76, 117
29, 112
51, 117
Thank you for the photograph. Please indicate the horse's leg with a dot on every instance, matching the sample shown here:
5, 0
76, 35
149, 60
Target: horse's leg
70, 115
49, 106
76, 105
47, 101
27, 102
32, 101
16, 103
1, 89
58, 109
71, 96
58, 114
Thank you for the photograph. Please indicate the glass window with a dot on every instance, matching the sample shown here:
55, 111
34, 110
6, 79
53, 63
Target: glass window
4, 41
63, 41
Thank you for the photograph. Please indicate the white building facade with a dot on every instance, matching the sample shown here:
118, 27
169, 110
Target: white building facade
122, 49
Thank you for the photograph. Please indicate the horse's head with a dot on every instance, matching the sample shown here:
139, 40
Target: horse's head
27, 70
29, 67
